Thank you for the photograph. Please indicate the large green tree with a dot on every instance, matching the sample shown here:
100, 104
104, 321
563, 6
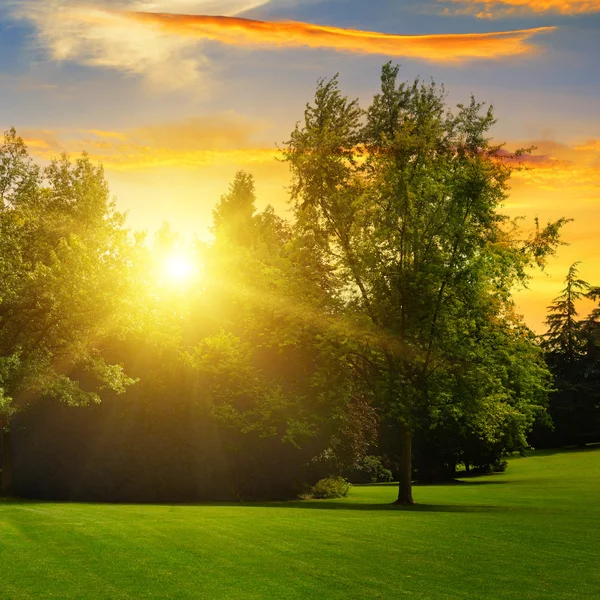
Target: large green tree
64, 263
402, 201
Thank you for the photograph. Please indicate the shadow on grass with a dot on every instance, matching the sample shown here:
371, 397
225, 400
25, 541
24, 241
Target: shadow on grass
293, 504
450, 482
358, 506
458, 482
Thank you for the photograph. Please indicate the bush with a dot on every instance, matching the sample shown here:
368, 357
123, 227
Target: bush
331, 487
369, 470
374, 471
497, 466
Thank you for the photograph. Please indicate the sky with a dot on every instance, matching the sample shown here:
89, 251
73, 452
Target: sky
174, 96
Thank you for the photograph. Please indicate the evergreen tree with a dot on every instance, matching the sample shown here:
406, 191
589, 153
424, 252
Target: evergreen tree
564, 336
571, 347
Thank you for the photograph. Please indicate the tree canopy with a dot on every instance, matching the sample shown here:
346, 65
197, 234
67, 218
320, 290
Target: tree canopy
378, 319
63, 272
404, 201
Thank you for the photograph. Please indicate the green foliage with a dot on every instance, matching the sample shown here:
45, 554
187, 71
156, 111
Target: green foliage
265, 367
233, 215
233, 370
400, 205
571, 349
330, 487
371, 470
564, 335
385, 302
64, 264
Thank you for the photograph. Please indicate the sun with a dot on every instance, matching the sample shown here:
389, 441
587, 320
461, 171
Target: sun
179, 268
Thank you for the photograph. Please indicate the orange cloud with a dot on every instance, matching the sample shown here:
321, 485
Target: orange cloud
592, 145
561, 167
486, 9
231, 139
246, 32
165, 49
226, 131
221, 139
560, 180
115, 135
133, 157
174, 170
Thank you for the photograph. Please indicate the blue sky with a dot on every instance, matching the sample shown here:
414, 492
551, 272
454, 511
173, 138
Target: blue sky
173, 107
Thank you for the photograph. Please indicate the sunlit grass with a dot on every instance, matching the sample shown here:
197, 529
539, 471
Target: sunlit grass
531, 533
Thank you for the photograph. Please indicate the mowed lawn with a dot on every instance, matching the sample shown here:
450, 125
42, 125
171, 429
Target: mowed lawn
533, 532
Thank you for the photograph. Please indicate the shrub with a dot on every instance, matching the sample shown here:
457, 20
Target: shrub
374, 470
331, 487
370, 470
497, 466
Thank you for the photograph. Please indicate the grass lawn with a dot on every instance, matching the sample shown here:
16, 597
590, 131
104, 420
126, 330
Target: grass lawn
533, 532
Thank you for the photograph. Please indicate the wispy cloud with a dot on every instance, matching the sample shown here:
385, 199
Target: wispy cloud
174, 169
167, 48
230, 138
246, 32
188, 144
490, 9
557, 167
95, 33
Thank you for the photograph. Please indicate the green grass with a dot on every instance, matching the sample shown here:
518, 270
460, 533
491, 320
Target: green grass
531, 533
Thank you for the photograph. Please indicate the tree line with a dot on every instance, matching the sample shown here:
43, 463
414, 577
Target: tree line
378, 319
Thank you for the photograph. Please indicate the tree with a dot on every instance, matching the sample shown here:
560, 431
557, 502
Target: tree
493, 398
402, 202
591, 331
564, 335
571, 348
63, 276
233, 215
262, 362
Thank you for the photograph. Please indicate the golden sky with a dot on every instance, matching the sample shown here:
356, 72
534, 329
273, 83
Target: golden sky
174, 97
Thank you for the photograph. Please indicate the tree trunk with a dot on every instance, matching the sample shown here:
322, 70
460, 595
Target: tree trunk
6, 484
405, 466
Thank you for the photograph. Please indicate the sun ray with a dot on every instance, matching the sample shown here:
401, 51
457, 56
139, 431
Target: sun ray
178, 268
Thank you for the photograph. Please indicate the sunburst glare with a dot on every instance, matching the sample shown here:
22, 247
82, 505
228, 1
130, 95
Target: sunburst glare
179, 268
